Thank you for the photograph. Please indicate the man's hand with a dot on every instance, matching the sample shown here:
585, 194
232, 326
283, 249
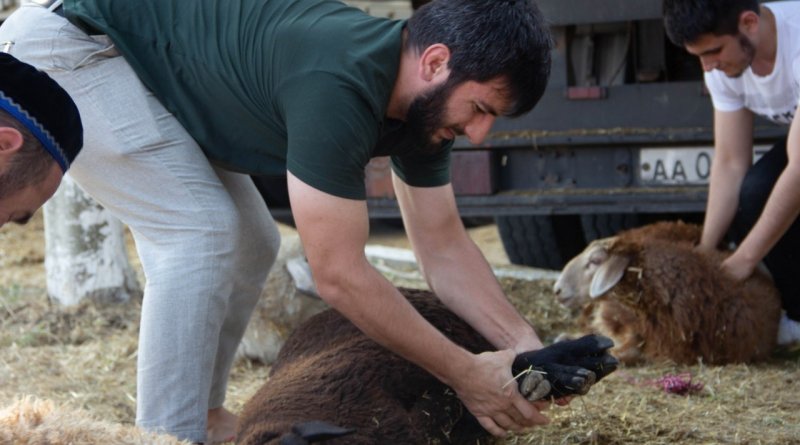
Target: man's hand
490, 393
704, 249
564, 368
737, 267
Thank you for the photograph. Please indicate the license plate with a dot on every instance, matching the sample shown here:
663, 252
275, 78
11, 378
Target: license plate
681, 166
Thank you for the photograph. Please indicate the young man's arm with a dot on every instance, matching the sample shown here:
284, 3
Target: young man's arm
733, 156
780, 211
456, 269
334, 232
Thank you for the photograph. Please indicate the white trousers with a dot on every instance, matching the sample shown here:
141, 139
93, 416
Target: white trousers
204, 235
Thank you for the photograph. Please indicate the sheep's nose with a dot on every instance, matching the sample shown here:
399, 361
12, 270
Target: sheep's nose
562, 295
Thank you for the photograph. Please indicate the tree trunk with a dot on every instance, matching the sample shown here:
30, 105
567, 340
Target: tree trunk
85, 254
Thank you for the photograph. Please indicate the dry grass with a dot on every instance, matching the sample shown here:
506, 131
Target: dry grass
86, 356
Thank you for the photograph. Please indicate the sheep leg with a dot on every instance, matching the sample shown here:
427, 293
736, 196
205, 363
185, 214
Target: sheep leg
590, 352
571, 367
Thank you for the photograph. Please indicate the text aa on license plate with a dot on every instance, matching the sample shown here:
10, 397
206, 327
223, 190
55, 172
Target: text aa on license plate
680, 165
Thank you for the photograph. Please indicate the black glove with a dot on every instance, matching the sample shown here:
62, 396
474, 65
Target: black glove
565, 368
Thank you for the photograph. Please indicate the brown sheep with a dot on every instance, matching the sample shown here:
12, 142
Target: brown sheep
659, 298
329, 373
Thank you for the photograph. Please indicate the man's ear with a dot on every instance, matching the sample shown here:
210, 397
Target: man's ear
433, 62
10, 141
748, 23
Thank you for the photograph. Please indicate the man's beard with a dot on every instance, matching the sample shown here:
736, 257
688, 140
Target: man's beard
425, 117
749, 51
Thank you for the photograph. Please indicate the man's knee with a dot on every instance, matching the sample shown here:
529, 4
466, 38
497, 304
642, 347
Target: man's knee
261, 239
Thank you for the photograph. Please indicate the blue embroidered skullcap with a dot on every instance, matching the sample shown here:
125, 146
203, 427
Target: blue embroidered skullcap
43, 107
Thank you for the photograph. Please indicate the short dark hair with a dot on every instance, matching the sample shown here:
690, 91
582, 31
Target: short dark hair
686, 20
489, 39
29, 165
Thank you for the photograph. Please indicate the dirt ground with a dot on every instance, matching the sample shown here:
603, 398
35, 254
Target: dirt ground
85, 356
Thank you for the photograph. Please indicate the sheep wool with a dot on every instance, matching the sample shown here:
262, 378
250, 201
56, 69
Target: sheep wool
329, 373
32, 421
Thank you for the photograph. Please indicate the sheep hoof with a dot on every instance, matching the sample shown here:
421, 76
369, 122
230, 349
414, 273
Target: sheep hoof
581, 381
566, 380
534, 386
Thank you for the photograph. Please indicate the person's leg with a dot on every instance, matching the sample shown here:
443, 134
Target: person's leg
756, 187
253, 261
783, 261
141, 165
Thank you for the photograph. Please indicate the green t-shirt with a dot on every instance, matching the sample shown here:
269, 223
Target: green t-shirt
269, 85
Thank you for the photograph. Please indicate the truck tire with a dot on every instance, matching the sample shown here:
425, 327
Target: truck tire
603, 225
542, 241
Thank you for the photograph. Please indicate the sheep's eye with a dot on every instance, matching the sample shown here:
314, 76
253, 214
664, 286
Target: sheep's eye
598, 257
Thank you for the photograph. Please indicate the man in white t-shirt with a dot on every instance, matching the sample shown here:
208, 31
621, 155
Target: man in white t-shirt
751, 58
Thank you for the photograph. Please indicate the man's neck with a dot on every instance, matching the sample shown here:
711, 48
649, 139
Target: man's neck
767, 48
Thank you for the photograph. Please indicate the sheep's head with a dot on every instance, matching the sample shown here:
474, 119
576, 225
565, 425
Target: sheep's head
590, 274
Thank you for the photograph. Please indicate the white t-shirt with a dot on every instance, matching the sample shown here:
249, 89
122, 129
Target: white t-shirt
776, 95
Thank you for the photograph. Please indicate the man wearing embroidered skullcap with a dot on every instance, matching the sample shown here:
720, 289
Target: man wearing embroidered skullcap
40, 136
183, 99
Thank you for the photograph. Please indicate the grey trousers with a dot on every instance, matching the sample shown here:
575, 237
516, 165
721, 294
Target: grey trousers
204, 235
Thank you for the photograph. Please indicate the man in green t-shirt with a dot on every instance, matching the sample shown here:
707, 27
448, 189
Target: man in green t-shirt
181, 100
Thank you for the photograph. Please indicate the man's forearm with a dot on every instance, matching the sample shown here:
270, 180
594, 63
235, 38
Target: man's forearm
723, 199
456, 269
733, 157
462, 278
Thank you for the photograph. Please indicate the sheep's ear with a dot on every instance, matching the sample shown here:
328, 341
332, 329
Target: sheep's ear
608, 275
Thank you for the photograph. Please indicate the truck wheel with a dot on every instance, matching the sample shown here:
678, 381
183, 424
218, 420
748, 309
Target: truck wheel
543, 241
603, 225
